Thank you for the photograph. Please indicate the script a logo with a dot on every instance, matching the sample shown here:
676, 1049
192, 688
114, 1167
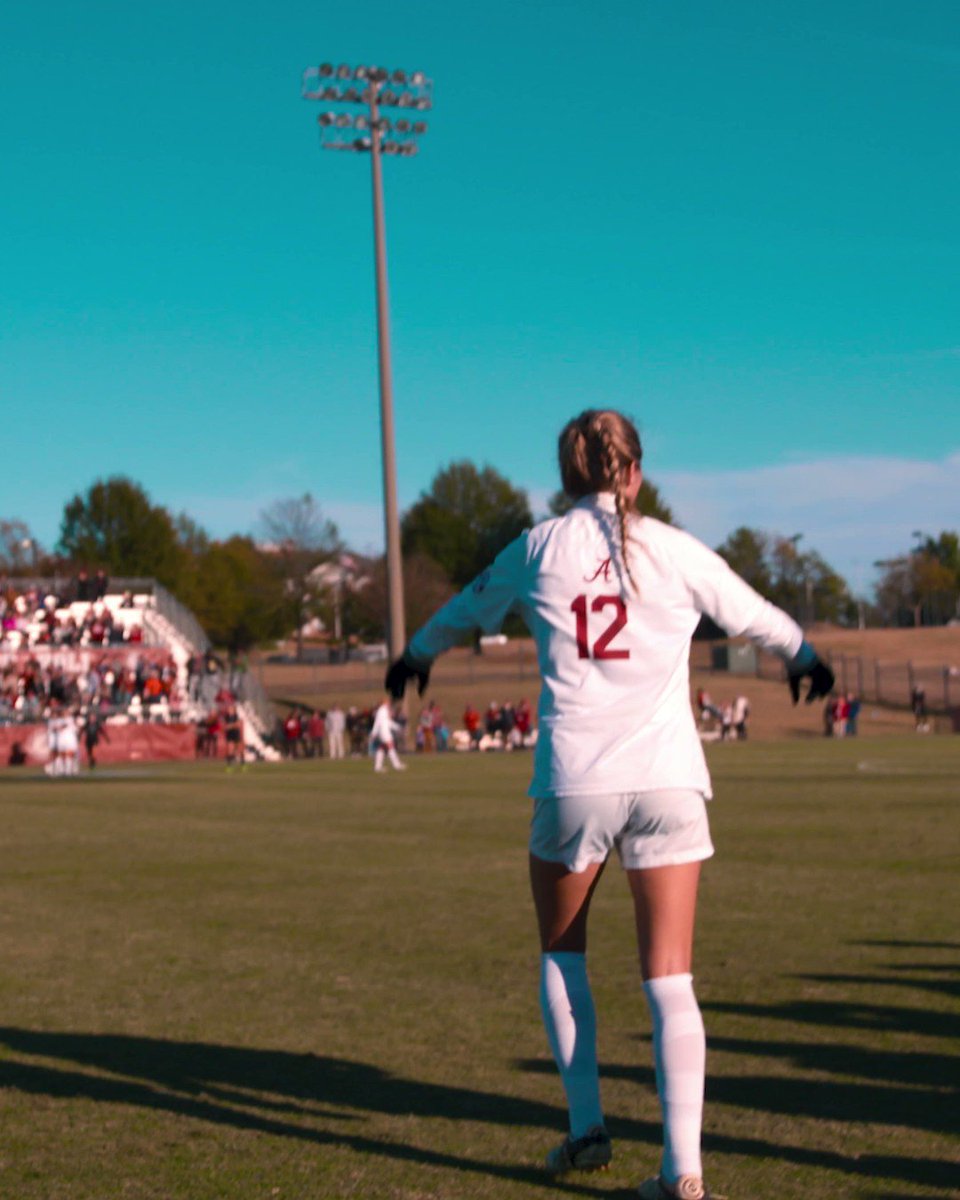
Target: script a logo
604, 570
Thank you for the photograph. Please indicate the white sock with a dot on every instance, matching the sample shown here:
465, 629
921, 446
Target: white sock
571, 1023
680, 1051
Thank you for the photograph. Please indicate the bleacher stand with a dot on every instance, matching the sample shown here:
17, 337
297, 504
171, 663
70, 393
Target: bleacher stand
130, 653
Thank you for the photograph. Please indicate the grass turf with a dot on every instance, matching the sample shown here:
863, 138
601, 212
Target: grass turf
308, 981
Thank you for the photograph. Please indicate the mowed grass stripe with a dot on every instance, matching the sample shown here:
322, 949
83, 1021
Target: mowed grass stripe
312, 981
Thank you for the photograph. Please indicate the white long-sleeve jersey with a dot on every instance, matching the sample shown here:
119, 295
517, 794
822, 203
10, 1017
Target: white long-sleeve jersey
614, 708
384, 727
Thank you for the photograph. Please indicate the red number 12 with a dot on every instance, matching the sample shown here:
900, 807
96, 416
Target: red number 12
601, 645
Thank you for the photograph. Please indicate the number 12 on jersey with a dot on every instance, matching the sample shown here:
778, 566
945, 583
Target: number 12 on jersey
601, 647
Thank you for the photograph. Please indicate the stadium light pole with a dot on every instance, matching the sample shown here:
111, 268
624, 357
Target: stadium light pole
342, 128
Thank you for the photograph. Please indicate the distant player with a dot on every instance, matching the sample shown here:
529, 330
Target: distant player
383, 736
233, 736
92, 730
62, 742
612, 600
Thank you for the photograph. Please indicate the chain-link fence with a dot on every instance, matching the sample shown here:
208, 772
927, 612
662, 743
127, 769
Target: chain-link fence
880, 682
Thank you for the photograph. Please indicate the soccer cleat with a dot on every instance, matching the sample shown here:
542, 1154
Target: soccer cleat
592, 1152
687, 1187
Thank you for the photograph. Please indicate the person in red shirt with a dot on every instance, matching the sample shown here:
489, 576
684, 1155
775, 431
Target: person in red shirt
212, 742
523, 717
840, 716
471, 722
292, 730
316, 729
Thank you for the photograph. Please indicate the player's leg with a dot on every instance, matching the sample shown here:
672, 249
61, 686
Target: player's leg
665, 840
562, 901
665, 900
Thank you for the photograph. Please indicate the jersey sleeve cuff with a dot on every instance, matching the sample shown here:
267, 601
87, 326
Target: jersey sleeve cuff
804, 658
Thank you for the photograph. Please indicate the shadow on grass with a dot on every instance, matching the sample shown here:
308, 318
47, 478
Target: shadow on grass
209, 1083
799, 1098
841, 1014
906, 945
318, 1100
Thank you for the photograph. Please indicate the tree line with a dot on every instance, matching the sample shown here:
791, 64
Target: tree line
248, 589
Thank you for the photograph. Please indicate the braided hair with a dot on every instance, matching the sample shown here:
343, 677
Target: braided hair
596, 450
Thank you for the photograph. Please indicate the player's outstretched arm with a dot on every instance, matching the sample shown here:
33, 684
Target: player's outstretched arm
481, 605
806, 663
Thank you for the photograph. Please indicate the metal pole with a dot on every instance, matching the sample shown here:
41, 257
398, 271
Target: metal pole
396, 633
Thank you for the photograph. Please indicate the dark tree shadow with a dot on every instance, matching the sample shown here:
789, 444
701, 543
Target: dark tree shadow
916, 1090
761, 1093
317, 1100
839, 1014
906, 945
205, 1082
943, 987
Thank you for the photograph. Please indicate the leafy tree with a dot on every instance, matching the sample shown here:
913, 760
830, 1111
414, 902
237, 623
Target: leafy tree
466, 518
365, 603
115, 526
746, 551
302, 537
19, 550
922, 587
946, 550
649, 502
238, 594
801, 582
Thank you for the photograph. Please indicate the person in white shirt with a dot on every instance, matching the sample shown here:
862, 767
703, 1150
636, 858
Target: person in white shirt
383, 735
612, 600
336, 724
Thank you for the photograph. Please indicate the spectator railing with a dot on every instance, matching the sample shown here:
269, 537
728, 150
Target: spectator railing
180, 617
249, 690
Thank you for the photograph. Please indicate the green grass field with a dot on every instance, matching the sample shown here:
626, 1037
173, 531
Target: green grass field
307, 982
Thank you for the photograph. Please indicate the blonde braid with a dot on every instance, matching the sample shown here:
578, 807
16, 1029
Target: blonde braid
614, 477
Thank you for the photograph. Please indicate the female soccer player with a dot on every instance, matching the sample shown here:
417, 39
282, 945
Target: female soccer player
612, 600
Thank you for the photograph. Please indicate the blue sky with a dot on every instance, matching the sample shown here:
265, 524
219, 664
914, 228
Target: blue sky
737, 222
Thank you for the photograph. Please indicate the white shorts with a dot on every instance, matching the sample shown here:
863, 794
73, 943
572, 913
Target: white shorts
648, 829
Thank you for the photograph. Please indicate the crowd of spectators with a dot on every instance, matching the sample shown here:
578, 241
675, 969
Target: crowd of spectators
74, 613
722, 720
336, 733
108, 682
840, 714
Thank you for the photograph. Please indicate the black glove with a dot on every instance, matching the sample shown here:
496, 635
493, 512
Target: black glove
400, 674
821, 680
